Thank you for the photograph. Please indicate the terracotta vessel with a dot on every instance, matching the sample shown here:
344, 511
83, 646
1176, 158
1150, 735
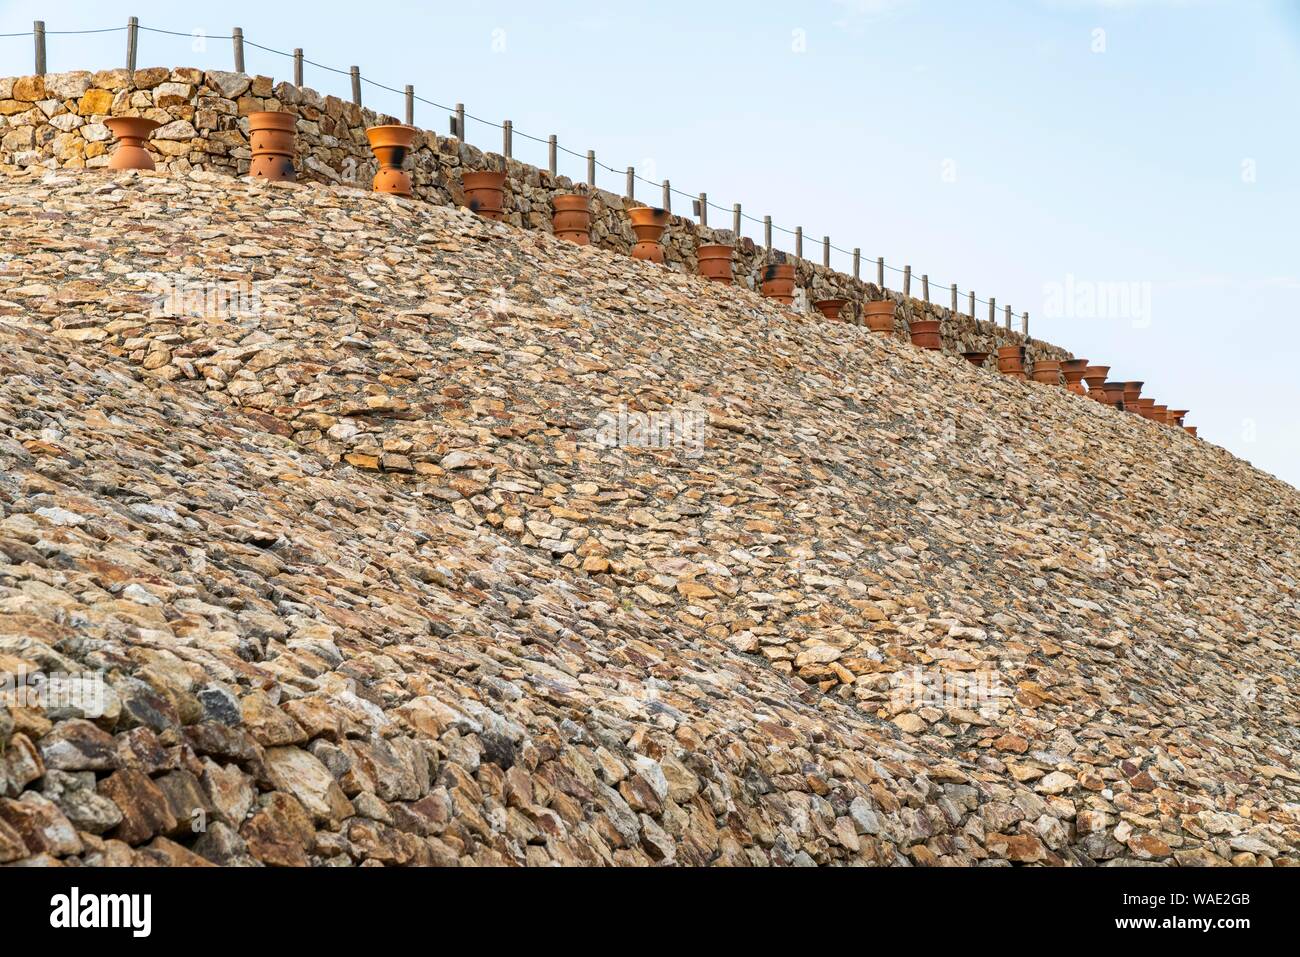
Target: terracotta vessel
879, 316
1047, 371
1176, 416
925, 333
830, 308
1143, 407
976, 358
572, 219
390, 144
1095, 376
270, 137
1190, 430
1132, 392
1158, 413
1011, 361
131, 132
1114, 394
648, 223
1073, 370
778, 282
485, 193
715, 263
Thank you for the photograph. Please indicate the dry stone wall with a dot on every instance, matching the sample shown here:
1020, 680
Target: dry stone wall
57, 121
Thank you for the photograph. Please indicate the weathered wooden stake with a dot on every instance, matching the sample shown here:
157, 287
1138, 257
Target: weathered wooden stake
460, 122
826, 251
237, 40
993, 311
356, 84
798, 242
410, 105
767, 233
507, 139
857, 263
132, 42
553, 153
668, 197
297, 66
1024, 325
631, 182
591, 168
907, 282
735, 221
38, 34
972, 305
1008, 318
880, 272
925, 287
704, 209
953, 309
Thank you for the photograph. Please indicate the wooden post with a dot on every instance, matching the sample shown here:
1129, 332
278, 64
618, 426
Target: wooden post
460, 122
907, 283
798, 242
972, 305
735, 221
668, 197
826, 251
767, 233
356, 84
237, 40
553, 153
132, 42
925, 287
1024, 325
297, 66
857, 263
507, 139
1008, 318
953, 310
631, 182
993, 311
38, 35
880, 272
591, 168
704, 209
410, 105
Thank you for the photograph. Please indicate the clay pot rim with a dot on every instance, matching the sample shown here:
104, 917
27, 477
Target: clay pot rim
483, 179
877, 307
649, 215
273, 120
1010, 351
1048, 363
714, 251
126, 122
1135, 385
826, 302
1094, 371
391, 134
924, 323
1074, 365
572, 202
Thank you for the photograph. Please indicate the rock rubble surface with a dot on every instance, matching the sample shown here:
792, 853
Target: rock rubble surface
366, 584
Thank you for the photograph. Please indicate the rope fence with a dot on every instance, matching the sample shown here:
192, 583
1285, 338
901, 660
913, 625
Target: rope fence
457, 114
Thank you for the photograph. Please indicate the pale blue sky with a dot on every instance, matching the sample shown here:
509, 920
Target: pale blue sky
1003, 145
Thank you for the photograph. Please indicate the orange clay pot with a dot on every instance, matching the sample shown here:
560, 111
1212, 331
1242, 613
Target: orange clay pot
925, 334
879, 316
1011, 361
572, 219
485, 193
648, 224
131, 132
830, 308
1073, 370
390, 145
1095, 376
976, 358
1144, 406
778, 282
1176, 416
715, 263
1132, 392
1114, 394
270, 137
1190, 430
1158, 414
1047, 371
